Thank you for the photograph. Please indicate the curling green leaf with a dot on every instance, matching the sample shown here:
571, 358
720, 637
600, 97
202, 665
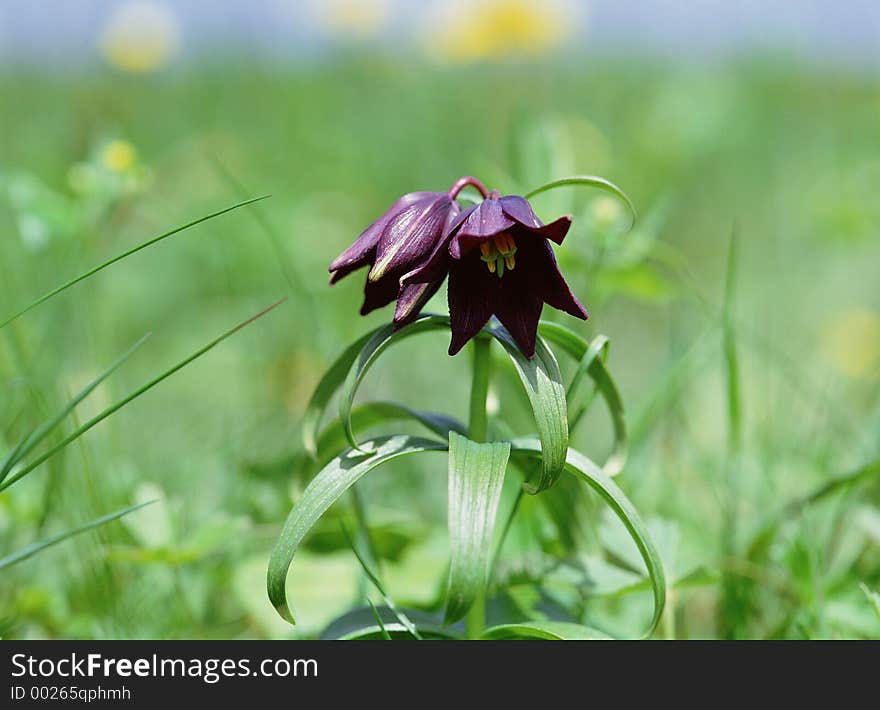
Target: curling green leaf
369, 352
36, 547
587, 471
371, 414
125, 254
330, 483
476, 474
542, 381
587, 355
545, 630
330, 382
589, 181
361, 624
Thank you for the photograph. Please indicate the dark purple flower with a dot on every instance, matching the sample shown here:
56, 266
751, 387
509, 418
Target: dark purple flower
395, 244
499, 263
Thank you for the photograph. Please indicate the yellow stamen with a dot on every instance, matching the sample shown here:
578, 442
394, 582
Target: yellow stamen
498, 253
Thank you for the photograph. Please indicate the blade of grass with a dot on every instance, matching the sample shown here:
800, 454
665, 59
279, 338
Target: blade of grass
143, 245
134, 395
28, 443
36, 547
374, 580
385, 635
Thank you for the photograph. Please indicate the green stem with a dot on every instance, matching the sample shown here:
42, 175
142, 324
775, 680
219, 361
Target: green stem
478, 428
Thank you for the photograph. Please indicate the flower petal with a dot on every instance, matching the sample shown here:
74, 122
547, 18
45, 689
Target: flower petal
519, 209
434, 266
378, 294
520, 315
358, 254
471, 300
486, 221
411, 235
553, 287
411, 299
483, 223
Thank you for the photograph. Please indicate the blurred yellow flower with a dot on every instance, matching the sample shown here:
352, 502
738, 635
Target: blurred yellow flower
118, 156
355, 18
852, 344
140, 36
497, 29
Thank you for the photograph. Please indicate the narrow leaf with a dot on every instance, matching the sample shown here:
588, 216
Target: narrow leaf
762, 539
330, 483
389, 602
587, 471
371, 414
545, 630
120, 257
476, 474
380, 340
36, 547
28, 443
587, 355
385, 635
330, 382
542, 381
589, 181
134, 395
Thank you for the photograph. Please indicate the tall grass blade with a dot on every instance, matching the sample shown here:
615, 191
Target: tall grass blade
28, 443
374, 580
134, 395
143, 245
36, 547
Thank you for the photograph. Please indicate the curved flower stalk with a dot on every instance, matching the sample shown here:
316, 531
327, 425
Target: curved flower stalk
498, 257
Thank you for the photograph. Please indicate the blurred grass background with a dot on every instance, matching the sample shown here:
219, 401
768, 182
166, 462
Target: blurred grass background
96, 159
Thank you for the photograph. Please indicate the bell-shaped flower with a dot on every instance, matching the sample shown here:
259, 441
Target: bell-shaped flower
500, 263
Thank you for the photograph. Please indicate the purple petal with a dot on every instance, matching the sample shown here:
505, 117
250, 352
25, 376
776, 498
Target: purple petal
471, 300
519, 209
346, 270
411, 299
520, 316
358, 254
378, 294
434, 266
553, 287
486, 221
411, 235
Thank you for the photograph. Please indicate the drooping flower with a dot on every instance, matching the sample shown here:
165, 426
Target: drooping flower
394, 245
500, 263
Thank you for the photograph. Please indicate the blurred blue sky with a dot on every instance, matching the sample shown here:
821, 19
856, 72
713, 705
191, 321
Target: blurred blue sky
827, 31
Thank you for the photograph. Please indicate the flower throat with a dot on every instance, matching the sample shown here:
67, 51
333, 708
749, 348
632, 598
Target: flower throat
498, 253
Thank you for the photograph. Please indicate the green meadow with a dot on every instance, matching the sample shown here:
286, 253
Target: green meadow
743, 312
